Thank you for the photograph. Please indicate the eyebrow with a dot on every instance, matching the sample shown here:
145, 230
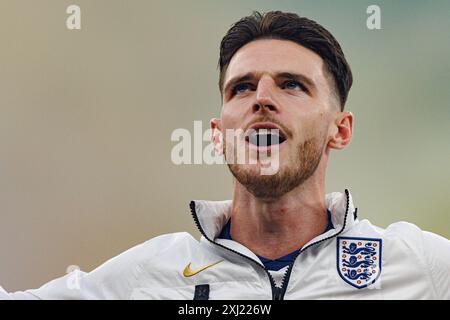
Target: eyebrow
284, 75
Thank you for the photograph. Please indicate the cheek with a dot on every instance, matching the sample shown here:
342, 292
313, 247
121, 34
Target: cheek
231, 118
306, 128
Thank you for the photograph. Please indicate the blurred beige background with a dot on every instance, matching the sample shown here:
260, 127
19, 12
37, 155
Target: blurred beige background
86, 118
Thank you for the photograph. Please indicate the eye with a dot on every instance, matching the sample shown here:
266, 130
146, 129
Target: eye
293, 85
240, 88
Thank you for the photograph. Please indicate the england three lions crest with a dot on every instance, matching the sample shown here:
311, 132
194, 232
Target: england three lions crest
358, 260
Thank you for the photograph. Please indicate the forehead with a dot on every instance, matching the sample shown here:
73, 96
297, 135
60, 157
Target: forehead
273, 55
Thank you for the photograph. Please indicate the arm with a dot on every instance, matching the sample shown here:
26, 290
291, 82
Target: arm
118, 277
111, 280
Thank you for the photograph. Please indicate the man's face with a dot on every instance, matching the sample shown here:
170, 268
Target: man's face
277, 83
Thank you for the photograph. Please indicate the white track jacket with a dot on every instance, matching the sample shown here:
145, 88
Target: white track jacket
355, 260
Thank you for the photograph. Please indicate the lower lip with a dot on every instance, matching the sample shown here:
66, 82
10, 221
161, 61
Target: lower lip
264, 149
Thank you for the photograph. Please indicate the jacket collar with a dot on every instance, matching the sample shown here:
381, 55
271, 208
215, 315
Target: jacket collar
211, 216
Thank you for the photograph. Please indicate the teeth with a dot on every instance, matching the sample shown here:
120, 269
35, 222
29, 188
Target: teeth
264, 137
259, 133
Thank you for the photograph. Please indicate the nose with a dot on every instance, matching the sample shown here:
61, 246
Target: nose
265, 95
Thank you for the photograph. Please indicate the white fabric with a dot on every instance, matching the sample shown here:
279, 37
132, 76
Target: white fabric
415, 265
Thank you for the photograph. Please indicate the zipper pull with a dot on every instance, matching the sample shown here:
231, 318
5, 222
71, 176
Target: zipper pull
278, 293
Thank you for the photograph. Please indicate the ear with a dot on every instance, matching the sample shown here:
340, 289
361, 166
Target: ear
216, 135
342, 130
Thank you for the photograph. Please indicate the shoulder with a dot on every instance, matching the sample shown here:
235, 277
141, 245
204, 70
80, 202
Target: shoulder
407, 244
410, 234
116, 278
404, 239
417, 238
401, 239
154, 248
135, 260
130, 269
434, 251
402, 230
169, 241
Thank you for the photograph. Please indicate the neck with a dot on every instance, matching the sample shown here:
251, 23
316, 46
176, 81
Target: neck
273, 228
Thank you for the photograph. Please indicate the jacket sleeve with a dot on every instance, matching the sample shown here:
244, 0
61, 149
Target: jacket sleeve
16, 295
117, 279
114, 279
66, 287
437, 255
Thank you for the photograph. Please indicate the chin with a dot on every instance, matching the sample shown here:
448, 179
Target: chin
260, 168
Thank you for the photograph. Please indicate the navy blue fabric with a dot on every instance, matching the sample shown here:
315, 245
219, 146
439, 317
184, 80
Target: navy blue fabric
279, 263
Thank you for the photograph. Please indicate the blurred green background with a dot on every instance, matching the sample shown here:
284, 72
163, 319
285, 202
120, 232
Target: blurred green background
86, 117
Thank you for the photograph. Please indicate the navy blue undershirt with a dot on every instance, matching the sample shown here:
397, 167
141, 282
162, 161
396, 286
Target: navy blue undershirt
279, 263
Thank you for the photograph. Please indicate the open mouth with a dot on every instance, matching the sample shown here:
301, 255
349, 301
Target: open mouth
264, 138
265, 135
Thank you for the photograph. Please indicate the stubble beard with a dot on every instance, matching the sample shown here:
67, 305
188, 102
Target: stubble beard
288, 177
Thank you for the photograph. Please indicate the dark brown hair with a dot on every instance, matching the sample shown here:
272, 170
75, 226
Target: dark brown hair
289, 26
